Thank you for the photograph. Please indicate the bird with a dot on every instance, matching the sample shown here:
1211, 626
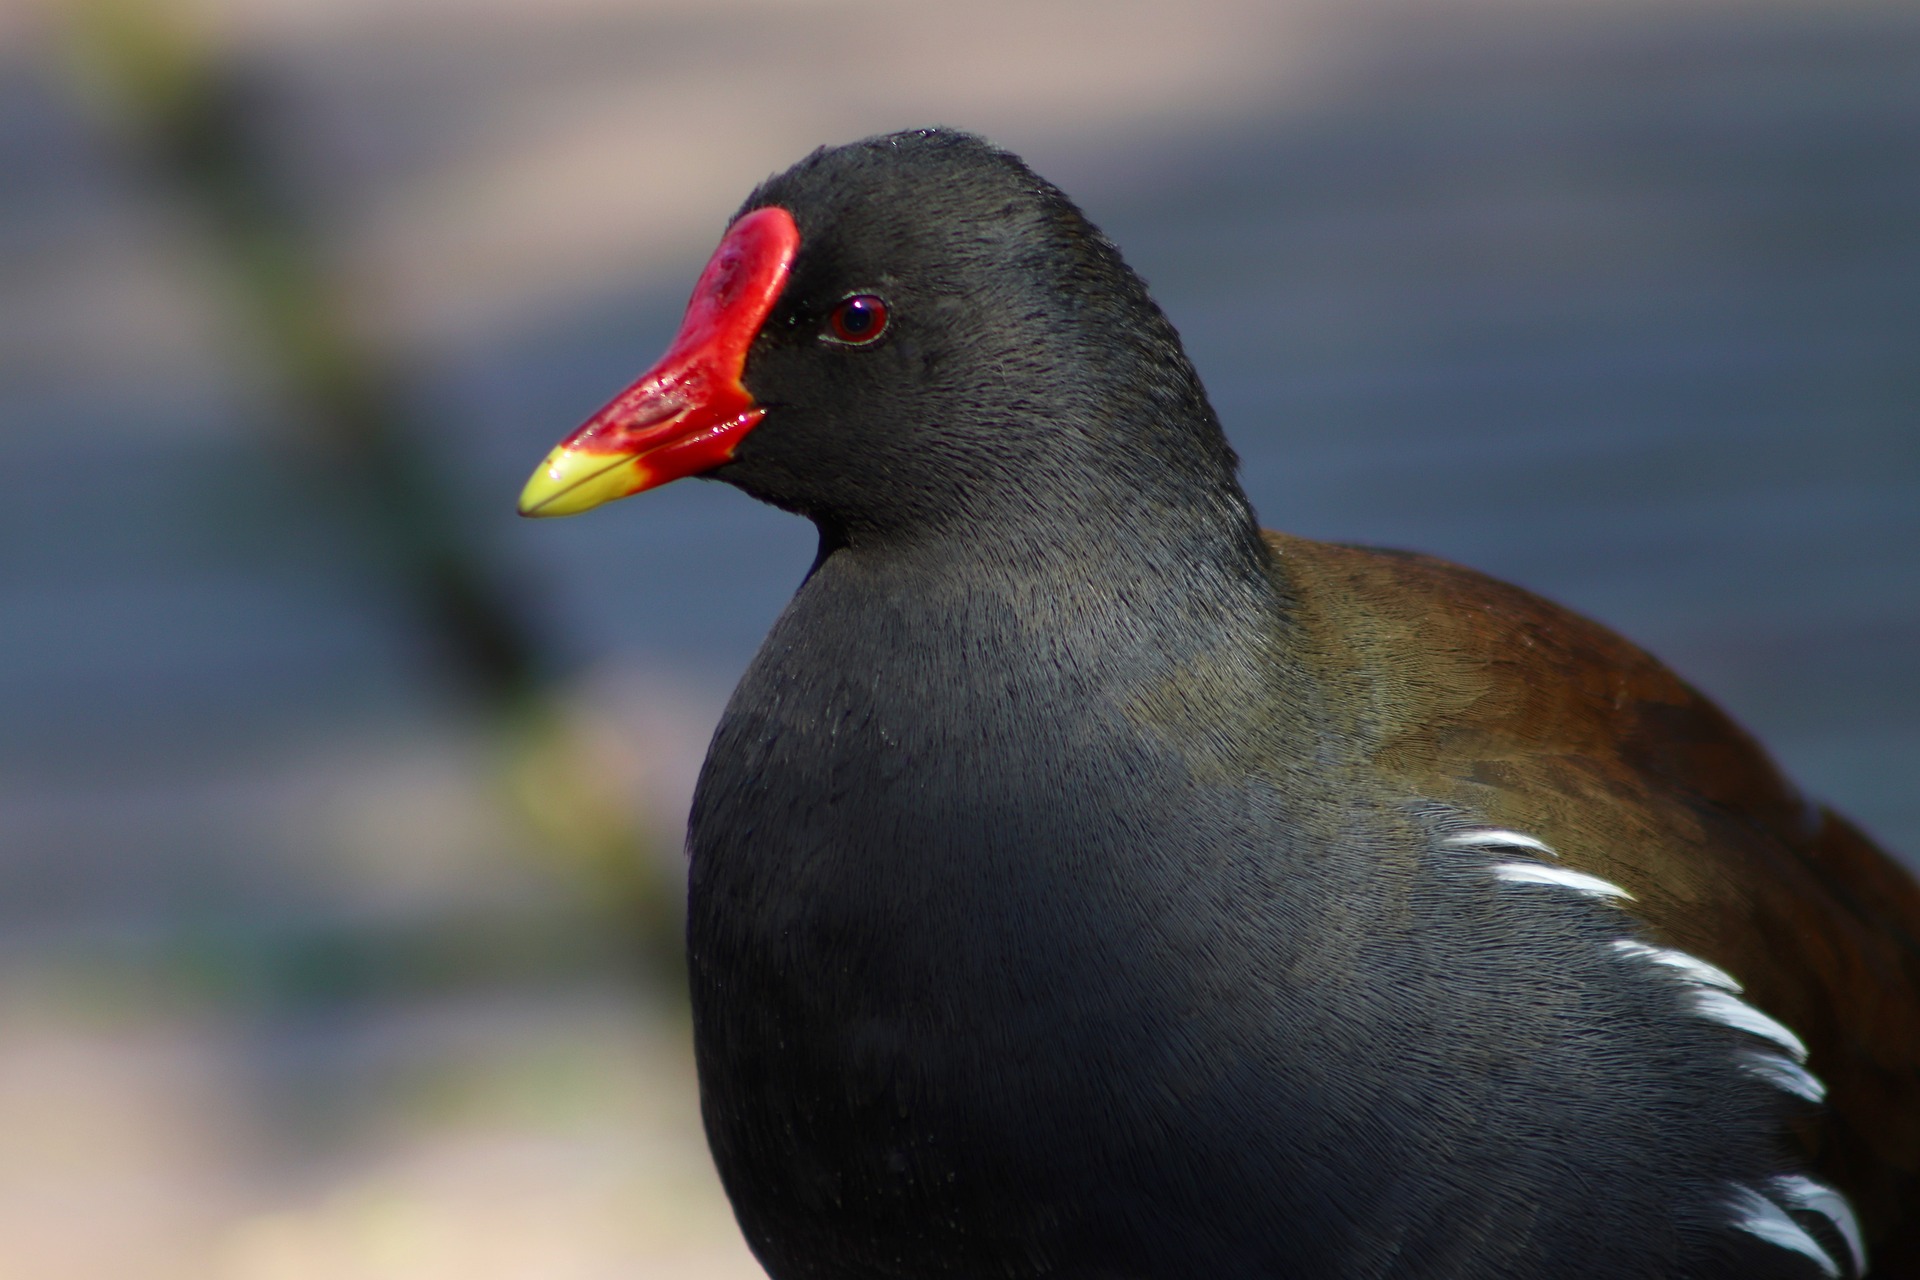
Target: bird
1084, 883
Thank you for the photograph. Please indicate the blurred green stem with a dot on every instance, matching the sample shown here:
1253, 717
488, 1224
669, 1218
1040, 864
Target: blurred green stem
189, 112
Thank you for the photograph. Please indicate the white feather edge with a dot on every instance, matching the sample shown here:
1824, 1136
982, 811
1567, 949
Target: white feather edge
1559, 878
1758, 1216
1720, 1007
1497, 838
1818, 1197
1785, 1074
1690, 968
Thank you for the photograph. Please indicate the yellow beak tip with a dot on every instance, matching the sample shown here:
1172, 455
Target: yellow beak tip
570, 481
541, 496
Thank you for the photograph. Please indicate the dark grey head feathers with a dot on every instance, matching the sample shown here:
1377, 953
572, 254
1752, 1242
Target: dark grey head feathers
1025, 374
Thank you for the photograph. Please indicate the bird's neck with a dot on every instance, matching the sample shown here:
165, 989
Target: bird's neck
1121, 591
1008, 665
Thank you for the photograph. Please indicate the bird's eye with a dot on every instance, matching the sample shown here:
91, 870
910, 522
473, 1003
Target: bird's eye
858, 320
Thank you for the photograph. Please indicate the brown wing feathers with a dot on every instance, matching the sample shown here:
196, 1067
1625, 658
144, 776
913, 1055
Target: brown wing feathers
1486, 696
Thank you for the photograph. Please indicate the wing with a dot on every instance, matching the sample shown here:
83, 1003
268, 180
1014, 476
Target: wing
1489, 697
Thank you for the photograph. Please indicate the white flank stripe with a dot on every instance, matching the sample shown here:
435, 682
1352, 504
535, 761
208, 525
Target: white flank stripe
1756, 1215
1691, 968
1713, 998
1493, 839
1560, 878
1805, 1193
1783, 1074
1741, 1016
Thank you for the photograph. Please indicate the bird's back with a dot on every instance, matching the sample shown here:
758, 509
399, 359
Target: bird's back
1482, 695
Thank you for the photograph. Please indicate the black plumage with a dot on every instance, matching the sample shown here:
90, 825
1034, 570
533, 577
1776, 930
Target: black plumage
1087, 885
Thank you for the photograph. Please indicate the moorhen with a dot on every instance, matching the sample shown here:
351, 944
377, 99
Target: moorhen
1088, 885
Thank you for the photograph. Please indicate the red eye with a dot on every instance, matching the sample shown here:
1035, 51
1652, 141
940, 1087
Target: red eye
858, 319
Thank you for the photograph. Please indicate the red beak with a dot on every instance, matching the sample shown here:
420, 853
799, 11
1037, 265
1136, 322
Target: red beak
689, 412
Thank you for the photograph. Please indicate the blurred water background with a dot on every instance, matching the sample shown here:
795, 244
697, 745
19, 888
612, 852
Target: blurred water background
340, 810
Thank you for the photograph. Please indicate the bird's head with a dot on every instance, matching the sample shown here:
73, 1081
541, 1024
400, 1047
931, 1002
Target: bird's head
910, 333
